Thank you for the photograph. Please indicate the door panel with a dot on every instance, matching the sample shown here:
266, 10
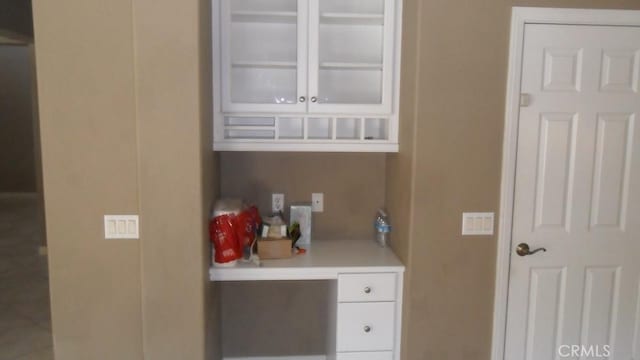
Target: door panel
577, 194
264, 55
351, 56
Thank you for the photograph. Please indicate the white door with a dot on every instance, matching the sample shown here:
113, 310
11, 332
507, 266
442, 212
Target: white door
578, 196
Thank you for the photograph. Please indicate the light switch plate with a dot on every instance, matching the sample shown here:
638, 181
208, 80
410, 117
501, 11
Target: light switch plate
121, 227
477, 223
317, 202
277, 202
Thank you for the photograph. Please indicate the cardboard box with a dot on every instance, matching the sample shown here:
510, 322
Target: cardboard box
270, 248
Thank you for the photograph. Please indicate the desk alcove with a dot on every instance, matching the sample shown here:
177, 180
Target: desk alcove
360, 283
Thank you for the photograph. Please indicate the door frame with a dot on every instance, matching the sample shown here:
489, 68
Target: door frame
520, 16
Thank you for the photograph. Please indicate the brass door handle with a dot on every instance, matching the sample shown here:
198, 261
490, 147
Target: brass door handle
523, 250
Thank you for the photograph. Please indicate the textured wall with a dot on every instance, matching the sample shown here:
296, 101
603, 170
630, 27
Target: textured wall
87, 112
125, 122
353, 186
175, 164
462, 51
17, 161
16, 17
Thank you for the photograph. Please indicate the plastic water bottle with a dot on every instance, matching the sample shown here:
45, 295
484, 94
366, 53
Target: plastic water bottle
382, 228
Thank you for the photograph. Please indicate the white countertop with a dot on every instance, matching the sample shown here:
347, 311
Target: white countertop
325, 259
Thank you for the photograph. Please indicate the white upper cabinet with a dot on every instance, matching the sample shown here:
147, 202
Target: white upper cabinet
306, 75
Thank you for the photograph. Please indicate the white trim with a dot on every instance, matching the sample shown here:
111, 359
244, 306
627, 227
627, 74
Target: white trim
305, 357
307, 146
521, 16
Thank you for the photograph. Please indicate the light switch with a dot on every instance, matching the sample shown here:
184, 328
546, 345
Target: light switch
477, 223
317, 202
121, 227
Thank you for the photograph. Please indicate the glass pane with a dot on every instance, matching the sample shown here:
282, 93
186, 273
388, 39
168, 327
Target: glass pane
264, 6
263, 46
352, 6
350, 86
351, 51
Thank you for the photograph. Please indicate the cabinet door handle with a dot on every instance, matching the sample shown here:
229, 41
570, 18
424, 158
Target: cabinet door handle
367, 328
314, 99
302, 99
367, 290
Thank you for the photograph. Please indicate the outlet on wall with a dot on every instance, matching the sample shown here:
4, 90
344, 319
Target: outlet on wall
317, 202
277, 202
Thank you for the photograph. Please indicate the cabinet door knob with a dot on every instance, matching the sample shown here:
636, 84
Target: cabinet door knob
302, 99
367, 290
314, 99
367, 329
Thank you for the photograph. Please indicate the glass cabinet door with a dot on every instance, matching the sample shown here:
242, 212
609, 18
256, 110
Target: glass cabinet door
264, 57
351, 55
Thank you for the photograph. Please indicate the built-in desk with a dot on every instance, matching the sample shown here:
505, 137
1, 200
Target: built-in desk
365, 309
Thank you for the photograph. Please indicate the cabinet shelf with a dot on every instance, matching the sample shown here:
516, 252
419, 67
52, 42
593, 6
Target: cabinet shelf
287, 17
265, 64
351, 19
349, 66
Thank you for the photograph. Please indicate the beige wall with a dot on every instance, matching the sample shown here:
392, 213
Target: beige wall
175, 164
353, 186
16, 17
462, 49
125, 129
17, 160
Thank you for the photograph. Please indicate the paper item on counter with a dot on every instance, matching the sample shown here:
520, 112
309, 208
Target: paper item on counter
301, 213
277, 231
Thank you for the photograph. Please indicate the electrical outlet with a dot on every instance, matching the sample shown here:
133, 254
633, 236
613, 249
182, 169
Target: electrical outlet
121, 227
317, 202
477, 223
277, 202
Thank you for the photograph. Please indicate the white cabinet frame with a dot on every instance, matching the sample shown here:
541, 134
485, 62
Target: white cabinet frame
388, 51
224, 52
307, 87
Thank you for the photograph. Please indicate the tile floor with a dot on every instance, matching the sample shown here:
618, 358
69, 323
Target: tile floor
25, 325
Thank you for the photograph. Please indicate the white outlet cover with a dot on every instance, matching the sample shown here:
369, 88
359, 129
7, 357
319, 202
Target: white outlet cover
277, 202
317, 202
121, 227
477, 223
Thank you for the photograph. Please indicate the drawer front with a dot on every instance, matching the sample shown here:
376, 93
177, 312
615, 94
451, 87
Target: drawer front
367, 287
378, 355
365, 326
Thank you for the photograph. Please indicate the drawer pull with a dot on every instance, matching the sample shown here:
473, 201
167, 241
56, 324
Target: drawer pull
367, 290
367, 329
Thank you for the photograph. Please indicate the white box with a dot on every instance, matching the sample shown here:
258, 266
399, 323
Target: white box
301, 214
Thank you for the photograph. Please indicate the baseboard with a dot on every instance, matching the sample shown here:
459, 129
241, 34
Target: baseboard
18, 195
305, 357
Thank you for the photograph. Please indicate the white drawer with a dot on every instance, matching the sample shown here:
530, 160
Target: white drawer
367, 287
365, 326
378, 355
